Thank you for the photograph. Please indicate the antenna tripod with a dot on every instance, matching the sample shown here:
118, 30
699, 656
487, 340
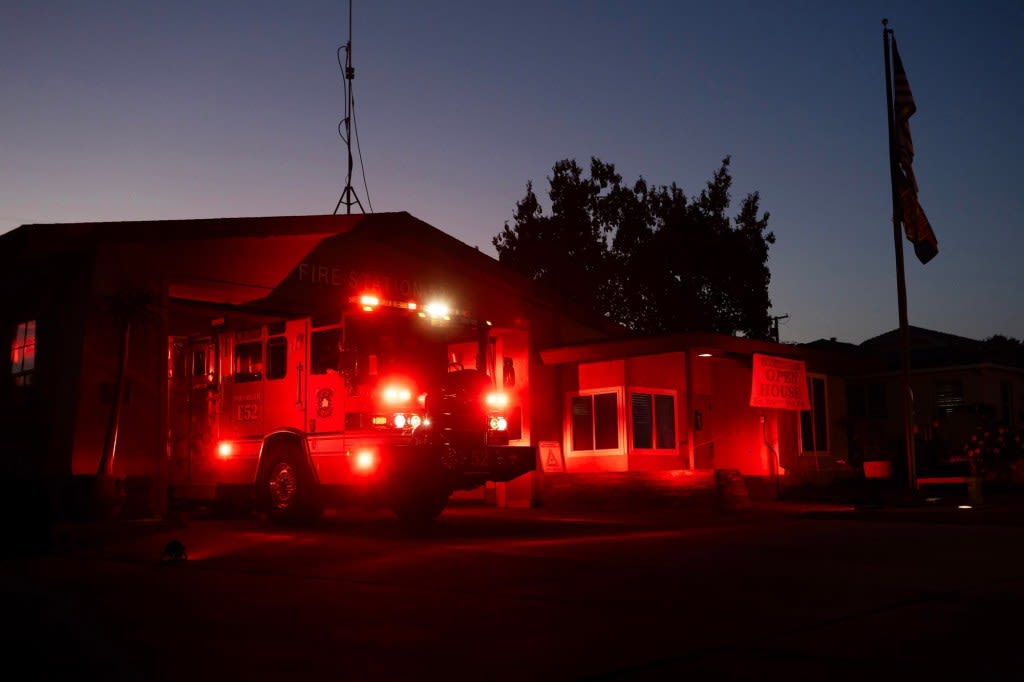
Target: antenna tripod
348, 195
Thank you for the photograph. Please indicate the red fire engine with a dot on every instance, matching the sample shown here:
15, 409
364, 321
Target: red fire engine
390, 401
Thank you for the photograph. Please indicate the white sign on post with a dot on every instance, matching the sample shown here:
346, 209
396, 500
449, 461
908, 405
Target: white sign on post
551, 456
780, 383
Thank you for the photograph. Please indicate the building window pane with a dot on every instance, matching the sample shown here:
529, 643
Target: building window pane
23, 353
643, 420
814, 422
949, 395
583, 422
595, 422
606, 422
654, 421
664, 422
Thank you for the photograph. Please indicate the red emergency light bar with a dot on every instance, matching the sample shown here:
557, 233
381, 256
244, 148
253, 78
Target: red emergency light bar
435, 310
370, 302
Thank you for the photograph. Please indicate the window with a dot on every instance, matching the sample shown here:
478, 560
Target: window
324, 351
949, 395
249, 361
814, 422
595, 422
23, 353
277, 357
867, 400
199, 367
653, 417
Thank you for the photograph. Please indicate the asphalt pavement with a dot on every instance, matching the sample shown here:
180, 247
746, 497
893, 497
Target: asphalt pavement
997, 510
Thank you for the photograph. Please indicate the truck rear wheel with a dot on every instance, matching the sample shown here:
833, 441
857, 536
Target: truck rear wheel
288, 490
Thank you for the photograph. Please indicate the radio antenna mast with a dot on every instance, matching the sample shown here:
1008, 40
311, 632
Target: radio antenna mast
348, 195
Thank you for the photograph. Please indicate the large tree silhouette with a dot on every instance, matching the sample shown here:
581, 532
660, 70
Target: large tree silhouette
646, 257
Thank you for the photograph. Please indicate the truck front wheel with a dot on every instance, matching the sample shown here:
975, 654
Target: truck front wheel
289, 491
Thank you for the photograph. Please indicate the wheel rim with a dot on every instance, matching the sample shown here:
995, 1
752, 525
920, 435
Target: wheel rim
282, 485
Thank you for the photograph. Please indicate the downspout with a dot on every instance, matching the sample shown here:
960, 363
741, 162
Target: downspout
690, 433
767, 444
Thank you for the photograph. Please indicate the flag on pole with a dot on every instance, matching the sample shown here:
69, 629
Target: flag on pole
915, 222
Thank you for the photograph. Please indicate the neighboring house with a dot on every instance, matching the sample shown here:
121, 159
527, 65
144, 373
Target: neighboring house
957, 384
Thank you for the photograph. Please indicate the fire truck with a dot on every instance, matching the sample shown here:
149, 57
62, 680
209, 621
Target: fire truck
396, 403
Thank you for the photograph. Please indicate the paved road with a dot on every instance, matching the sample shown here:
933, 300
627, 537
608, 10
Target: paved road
490, 594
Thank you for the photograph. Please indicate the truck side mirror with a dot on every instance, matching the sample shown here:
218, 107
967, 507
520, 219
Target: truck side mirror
508, 373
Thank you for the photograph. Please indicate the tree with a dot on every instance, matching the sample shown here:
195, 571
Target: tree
646, 257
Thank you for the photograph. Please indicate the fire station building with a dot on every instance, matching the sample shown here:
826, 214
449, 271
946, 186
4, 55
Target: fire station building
105, 319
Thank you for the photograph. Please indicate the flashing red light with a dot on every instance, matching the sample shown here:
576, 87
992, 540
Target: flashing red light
438, 309
397, 394
498, 400
365, 461
224, 449
369, 302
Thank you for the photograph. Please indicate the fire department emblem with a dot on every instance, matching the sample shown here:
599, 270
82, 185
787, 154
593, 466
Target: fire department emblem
325, 402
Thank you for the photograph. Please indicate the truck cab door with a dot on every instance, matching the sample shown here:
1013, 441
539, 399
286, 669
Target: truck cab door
325, 393
285, 376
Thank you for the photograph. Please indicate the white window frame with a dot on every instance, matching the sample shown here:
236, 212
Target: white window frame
654, 450
621, 418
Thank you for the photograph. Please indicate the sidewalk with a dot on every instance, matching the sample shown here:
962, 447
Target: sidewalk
893, 500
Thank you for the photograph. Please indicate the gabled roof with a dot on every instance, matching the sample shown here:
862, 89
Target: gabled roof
219, 269
930, 349
399, 229
920, 339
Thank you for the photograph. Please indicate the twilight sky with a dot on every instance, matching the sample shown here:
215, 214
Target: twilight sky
122, 110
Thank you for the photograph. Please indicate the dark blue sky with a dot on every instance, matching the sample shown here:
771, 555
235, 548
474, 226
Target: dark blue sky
138, 110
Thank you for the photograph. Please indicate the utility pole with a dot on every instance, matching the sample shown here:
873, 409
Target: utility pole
775, 326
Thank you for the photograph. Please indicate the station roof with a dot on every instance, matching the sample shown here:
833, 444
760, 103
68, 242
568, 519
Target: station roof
714, 345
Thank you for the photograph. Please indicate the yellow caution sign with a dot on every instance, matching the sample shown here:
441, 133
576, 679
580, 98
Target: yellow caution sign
551, 456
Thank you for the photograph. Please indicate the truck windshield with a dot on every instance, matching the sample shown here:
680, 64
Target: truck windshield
386, 342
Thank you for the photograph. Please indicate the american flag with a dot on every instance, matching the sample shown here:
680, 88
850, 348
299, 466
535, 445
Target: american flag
915, 222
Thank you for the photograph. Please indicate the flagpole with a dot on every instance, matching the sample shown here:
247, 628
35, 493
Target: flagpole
901, 281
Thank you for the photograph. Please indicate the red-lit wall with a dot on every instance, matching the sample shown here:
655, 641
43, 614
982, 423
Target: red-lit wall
728, 434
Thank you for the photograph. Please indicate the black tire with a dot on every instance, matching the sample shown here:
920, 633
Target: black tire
288, 489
